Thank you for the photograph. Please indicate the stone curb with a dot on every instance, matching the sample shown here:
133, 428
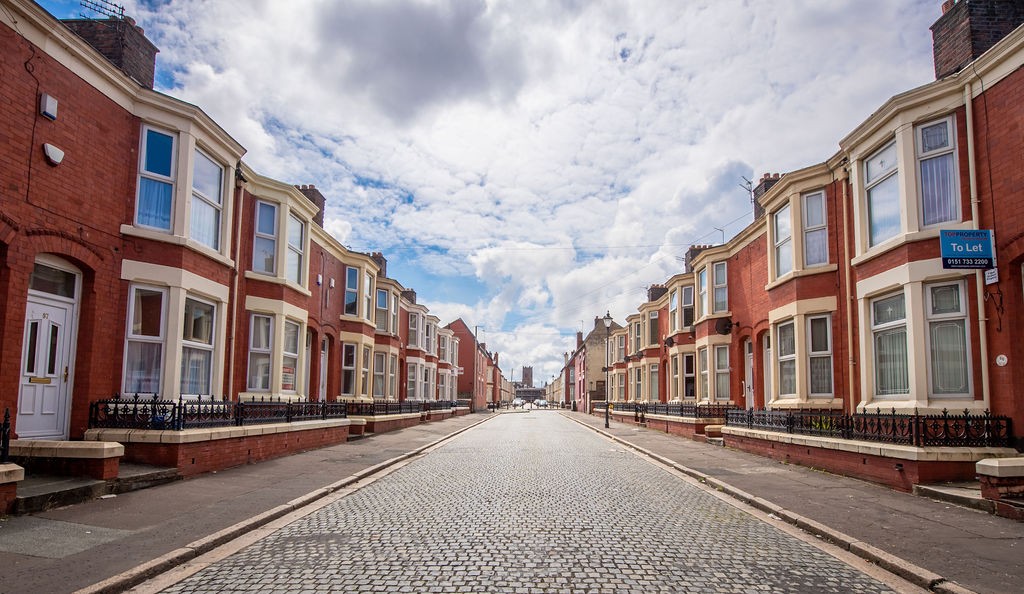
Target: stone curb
140, 573
914, 574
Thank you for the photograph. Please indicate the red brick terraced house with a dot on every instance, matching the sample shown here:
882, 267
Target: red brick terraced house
140, 256
830, 331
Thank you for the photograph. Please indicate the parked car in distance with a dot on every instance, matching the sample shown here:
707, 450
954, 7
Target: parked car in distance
518, 402
540, 403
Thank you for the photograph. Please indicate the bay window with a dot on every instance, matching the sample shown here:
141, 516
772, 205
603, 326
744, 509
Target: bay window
144, 349
260, 343
815, 231
197, 347
367, 296
394, 314
414, 330
264, 249
947, 340
442, 348
652, 328
783, 232
936, 162
638, 376
620, 348
157, 167
392, 377
674, 389
889, 338
883, 194
412, 383
636, 337
622, 387
207, 203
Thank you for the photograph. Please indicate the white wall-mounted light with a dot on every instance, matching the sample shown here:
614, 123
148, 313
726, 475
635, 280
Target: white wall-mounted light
53, 154
48, 106
332, 283
319, 279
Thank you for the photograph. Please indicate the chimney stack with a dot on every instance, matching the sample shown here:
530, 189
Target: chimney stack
968, 28
692, 253
767, 181
655, 292
317, 198
579, 339
122, 43
409, 295
382, 263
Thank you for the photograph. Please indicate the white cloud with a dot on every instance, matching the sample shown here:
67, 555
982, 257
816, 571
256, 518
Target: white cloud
566, 153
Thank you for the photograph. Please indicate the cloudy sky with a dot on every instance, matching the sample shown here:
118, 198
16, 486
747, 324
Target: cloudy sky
525, 164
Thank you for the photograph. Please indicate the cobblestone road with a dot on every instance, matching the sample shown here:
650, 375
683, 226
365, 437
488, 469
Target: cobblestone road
530, 503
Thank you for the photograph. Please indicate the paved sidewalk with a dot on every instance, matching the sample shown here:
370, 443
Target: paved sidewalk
974, 549
71, 548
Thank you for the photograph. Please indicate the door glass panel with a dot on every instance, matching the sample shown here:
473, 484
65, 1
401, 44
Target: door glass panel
51, 365
30, 354
52, 281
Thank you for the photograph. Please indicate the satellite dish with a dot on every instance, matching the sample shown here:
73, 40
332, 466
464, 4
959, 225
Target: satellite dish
670, 341
723, 325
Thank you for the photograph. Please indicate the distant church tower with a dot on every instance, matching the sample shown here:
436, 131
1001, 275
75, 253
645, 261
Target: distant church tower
528, 376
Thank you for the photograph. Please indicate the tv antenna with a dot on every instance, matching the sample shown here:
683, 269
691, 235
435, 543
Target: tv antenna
103, 7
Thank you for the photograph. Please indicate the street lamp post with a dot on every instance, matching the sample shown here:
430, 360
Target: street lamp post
607, 334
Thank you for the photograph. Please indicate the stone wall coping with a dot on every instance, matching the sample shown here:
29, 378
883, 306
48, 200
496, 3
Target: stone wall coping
210, 434
687, 420
885, 450
379, 418
88, 450
11, 473
1001, 467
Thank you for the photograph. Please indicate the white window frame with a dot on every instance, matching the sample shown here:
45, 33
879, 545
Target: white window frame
879, 329
703, 386
723, 370
368, 296
351, 291
954, 174
412, 381
442, 348
653, 332
652, 383
393, 377
931, 320
380, 363
195, 345
348, 352
261, 351
891, 173
720, 290
638, 379
702, 293
813, 354
620, 348
290, 354
394, 314
689, 374
268, 237
364, 377
131, 337
786, 360
686, 303
201, 198
674, 388
673, 311
636, 337
783, 240
383, 315
145, 174
414, 330
814, 228
295, 258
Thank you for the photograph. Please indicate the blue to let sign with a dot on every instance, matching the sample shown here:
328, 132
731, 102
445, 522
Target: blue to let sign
967, 249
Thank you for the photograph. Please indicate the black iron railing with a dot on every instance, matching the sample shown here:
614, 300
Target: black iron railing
463, 403
439, 405
5, 437
373, 409
640, 410
150, 412
945, 429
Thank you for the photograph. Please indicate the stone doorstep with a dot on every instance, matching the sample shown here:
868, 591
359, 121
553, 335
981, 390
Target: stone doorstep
11, 473
1002, 467
899, 452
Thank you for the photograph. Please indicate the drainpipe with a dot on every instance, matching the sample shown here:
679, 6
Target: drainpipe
233, 298
850, 301
979, 276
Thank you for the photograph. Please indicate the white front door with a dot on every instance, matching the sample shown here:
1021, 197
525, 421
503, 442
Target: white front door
44, 389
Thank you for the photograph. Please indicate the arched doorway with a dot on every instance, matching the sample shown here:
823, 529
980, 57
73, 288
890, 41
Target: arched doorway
48, 349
